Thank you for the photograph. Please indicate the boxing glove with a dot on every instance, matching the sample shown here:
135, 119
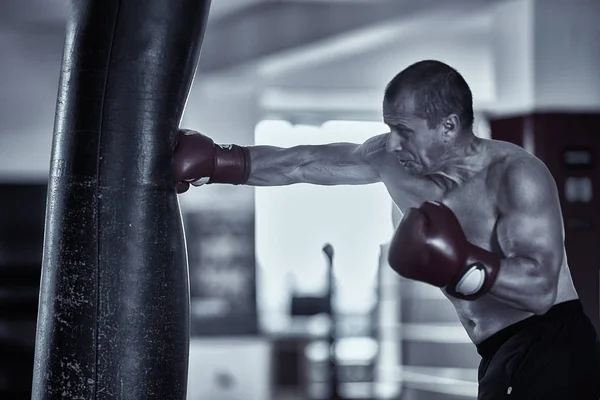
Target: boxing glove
430, 246
198, 160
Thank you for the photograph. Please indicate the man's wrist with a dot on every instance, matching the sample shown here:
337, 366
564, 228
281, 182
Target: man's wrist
232, 164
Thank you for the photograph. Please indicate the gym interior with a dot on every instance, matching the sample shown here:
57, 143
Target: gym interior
290, 293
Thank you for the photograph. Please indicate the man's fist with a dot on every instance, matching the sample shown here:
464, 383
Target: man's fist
198, 160
430, 246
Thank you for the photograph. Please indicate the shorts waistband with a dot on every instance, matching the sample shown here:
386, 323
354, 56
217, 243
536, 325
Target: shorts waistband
491, 345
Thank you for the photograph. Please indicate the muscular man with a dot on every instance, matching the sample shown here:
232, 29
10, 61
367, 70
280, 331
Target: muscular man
482, 221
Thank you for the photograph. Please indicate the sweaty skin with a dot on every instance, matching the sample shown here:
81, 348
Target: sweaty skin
505, 199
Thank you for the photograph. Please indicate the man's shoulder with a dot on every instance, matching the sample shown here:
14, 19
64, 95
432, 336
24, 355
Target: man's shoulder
374, 152
371, 149
511, 160
524, 166
523, 178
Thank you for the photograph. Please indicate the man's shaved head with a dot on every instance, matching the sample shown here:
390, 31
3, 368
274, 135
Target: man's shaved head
434, 90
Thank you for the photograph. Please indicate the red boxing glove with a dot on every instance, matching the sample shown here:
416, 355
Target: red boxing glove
430, 246
198, 160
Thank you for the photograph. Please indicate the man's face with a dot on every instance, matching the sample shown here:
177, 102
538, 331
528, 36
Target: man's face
412, 141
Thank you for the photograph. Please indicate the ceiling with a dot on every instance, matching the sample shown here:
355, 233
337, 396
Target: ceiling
21, 14
282, 47
247, 32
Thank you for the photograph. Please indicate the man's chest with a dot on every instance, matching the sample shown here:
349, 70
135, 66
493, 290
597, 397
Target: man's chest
473, 203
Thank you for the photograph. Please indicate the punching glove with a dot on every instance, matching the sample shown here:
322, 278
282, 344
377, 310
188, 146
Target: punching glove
430, 246
198, 160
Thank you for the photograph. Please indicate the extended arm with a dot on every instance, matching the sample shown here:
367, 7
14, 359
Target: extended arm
330, 164
197, 159
531, 236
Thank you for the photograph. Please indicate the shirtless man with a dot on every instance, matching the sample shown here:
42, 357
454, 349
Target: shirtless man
482, 221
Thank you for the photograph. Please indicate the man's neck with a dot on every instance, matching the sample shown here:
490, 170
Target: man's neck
465, 160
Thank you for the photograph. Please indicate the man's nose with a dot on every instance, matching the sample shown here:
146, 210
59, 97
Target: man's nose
394, 143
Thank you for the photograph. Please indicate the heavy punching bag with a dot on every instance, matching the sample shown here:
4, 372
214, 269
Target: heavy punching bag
113, 320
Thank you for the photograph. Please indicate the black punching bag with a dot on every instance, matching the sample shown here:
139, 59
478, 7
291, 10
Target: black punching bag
113, 319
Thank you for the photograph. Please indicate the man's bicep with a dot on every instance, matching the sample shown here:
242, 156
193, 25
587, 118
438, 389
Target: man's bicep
340, 164
363, 162
536, 235
530, 220
373, 146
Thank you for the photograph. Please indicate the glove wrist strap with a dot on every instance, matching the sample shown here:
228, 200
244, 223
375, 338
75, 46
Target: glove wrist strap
232, 164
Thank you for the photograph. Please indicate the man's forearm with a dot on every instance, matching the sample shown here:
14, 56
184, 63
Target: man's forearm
330, 164
523, 285
275, 166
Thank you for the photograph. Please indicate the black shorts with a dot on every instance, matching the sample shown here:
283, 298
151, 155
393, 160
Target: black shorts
555, 356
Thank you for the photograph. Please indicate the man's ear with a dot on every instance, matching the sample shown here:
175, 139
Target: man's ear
451, 125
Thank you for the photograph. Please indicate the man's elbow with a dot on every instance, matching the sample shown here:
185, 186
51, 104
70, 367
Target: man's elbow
545, 290
545, 298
